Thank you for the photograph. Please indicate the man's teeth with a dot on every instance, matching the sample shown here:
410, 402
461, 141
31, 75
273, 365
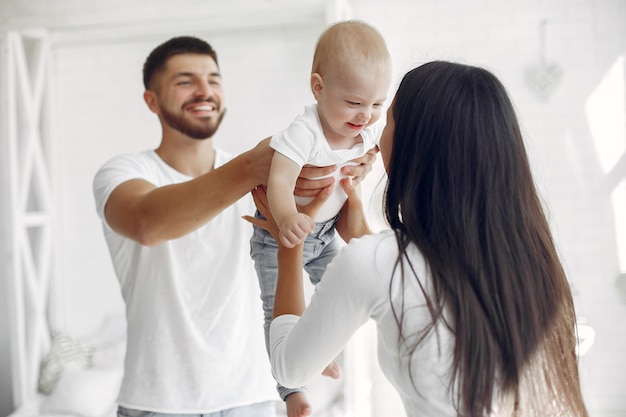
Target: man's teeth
203, 108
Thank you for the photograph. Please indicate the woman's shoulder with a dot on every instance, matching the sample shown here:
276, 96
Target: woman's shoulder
370, 253
380, 252
372, 242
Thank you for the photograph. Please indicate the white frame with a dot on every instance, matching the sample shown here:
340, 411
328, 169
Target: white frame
30, 179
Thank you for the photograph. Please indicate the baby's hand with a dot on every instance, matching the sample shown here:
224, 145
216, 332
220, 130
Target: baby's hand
295, 229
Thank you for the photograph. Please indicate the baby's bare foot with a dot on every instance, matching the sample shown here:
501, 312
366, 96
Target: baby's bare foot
297, 405
333, 370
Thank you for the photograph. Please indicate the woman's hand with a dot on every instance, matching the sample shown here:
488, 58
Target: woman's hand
352, 222
259, 195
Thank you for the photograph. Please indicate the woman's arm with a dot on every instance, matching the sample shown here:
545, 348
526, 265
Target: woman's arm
352, 222
349, 294
343, 301
289, 295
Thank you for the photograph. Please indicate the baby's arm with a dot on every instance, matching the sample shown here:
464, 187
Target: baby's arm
294, 226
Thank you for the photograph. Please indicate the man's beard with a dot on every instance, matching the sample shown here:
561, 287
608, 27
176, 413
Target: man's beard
186, 127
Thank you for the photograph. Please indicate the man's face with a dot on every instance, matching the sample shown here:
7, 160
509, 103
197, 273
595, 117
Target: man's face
190, 95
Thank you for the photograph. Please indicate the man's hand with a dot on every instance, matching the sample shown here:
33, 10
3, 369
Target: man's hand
308, 187
364, 167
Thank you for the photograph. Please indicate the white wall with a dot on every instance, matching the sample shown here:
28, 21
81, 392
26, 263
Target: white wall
99, 112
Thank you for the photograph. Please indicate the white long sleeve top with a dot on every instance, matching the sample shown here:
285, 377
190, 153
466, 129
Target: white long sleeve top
356, 288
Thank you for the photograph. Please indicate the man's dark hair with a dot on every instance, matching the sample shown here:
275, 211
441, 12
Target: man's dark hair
175, 46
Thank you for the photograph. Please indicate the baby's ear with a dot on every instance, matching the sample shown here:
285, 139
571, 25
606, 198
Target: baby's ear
317, 85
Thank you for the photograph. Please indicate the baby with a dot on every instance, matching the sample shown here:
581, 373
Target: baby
350, 80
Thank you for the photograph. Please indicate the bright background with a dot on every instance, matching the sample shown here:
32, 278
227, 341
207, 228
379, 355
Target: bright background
574, 127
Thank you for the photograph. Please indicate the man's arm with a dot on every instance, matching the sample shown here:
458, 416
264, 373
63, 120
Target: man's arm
151, 215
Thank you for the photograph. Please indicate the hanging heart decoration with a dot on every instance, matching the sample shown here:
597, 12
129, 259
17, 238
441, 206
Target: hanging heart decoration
544, 79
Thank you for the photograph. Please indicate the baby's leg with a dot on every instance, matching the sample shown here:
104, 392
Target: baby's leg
298, 405
263, 251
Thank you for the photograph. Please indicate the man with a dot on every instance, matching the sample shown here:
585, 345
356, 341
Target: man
172, 221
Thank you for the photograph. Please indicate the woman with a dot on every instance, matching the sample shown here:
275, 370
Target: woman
474, 312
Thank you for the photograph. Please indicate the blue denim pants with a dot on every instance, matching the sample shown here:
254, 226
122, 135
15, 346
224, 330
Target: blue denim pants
264, 409
320, 247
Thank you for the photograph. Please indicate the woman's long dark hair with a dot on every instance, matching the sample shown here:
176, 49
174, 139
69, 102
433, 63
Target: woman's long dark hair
460, 188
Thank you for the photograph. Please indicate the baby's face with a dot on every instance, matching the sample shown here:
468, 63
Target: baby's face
352, 100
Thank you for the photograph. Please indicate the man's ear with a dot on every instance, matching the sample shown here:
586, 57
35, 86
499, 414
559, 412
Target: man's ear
317, 85
151, 100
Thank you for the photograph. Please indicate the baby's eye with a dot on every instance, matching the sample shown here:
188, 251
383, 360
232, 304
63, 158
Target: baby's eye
352, 103
378, 104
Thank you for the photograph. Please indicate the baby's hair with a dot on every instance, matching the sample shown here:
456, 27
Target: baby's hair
349, 43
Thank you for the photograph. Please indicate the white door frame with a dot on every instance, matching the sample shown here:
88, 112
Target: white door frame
30, 204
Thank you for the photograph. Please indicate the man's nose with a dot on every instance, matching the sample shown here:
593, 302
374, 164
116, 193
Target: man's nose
204, 89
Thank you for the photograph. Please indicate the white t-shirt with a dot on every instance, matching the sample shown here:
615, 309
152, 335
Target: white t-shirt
195, 338
304, 143
355, 289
